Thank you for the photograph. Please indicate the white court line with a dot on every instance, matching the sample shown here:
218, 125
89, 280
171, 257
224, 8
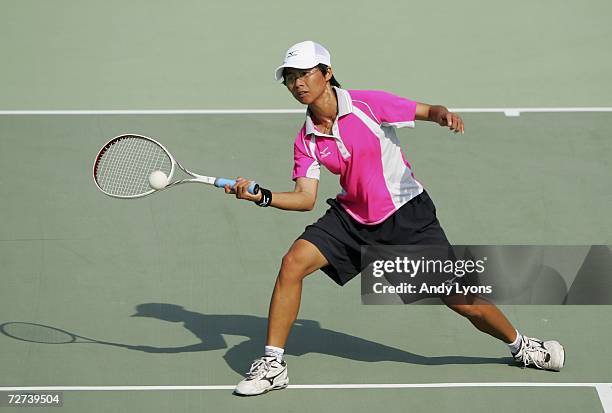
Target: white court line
506, 111
315, 386
604, 390
154, 112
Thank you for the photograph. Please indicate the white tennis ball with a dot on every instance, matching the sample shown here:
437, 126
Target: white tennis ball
158, 180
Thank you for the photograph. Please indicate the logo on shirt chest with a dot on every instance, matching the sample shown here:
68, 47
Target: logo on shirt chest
325, 152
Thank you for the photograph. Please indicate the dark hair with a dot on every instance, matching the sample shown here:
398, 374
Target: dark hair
323, 68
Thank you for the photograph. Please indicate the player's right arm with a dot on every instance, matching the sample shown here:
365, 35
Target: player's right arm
303, 197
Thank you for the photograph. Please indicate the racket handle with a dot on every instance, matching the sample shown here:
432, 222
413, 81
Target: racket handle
221, 182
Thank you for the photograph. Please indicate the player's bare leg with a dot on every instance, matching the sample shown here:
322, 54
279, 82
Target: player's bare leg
483, 314
486, 317
302, 259
270, 371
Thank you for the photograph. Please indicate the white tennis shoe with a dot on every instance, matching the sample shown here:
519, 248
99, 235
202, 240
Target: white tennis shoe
266, 373
546, 355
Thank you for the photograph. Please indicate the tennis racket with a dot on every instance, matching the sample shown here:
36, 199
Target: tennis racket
124, 164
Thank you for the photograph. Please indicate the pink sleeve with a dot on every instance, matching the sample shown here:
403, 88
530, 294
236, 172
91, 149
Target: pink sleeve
390, 109
304, 165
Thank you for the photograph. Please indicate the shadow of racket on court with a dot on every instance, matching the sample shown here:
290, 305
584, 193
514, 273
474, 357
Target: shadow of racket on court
44, 334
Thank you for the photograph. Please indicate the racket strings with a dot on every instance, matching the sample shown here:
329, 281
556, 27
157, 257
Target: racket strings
124, 168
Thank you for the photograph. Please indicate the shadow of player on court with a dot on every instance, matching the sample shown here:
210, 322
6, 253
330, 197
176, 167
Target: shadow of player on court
306, 336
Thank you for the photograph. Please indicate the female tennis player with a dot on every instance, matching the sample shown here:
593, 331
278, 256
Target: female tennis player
352, 134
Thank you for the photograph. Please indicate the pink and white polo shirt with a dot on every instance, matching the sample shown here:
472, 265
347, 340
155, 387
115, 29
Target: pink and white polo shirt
364, 150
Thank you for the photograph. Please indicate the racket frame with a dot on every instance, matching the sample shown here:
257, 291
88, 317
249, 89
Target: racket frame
195, 178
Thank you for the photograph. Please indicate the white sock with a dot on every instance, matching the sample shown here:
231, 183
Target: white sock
272, 351
515, 346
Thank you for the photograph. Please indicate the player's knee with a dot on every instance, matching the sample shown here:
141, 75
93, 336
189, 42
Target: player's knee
293, 268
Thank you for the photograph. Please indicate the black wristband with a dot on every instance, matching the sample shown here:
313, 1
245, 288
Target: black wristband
266, 197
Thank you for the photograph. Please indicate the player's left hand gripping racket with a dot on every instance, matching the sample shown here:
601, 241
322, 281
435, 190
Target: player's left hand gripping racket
124, 164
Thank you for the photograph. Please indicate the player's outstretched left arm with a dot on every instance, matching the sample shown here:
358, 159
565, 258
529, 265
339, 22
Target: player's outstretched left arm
441, 115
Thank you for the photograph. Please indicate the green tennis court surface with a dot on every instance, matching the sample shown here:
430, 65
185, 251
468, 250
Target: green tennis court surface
197, 268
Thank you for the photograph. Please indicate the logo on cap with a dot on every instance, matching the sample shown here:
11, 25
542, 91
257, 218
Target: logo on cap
292, 53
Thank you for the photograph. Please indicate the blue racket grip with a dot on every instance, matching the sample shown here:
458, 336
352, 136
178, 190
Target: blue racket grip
221, 182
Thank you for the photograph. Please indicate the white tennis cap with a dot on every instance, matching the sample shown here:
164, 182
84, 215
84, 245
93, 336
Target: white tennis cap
304, 55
